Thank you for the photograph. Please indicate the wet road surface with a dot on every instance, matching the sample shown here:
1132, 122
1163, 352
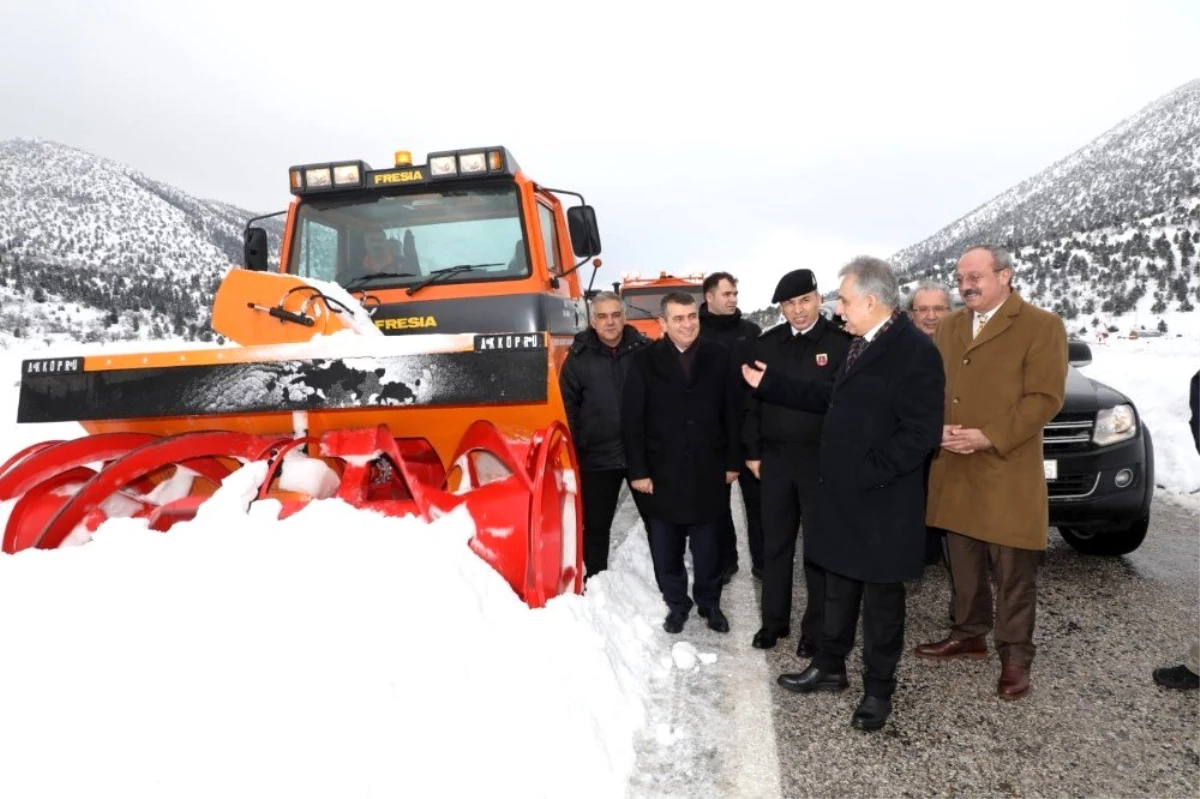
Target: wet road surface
1095, 724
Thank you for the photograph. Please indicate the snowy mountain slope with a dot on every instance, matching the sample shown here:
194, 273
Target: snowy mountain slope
1107, 237
1147, 165
93, 249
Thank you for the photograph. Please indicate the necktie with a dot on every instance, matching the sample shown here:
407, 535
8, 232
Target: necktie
980, 321
856, 348
685, 360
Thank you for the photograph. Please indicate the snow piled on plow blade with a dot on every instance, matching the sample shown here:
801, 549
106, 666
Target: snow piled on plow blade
335, 653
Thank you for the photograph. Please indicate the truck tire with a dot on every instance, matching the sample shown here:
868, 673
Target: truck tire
1110, 543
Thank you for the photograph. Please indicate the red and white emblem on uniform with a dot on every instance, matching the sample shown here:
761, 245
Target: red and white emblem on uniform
822, 359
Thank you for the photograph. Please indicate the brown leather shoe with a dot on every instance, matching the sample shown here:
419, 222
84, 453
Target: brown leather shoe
1014, 681
974, 648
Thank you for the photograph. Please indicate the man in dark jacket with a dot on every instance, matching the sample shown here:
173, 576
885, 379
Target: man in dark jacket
592, 379
1186, 676
679, 418
782, 447
721, 321
883, 416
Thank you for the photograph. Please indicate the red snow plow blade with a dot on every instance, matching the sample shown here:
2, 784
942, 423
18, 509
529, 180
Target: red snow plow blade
150, 458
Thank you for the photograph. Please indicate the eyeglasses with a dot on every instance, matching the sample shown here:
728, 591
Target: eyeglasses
972, 278
924, 309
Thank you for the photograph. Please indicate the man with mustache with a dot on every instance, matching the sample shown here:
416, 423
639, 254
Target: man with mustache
1006, 370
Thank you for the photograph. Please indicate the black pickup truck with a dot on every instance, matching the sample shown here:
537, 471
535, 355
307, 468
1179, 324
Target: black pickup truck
1099, 459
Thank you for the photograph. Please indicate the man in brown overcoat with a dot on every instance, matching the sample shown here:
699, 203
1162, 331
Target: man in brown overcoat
1006, 371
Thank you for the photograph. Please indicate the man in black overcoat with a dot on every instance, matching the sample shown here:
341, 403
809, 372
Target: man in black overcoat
883, 416
679, 422
721, 321
592, 379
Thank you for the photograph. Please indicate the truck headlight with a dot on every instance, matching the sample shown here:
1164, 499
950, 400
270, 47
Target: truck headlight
472, 163
443, 166
1114, 425
318, 178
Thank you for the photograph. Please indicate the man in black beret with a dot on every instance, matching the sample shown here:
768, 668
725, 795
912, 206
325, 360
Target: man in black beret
782, 448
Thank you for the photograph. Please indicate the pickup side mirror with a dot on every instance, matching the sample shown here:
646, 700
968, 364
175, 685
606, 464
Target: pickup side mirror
254, 249
585, 232
1079, 353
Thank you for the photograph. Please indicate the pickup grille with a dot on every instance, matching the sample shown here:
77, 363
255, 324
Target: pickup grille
1072, 486
1068, 433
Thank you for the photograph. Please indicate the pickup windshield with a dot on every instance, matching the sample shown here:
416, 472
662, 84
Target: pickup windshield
374, 241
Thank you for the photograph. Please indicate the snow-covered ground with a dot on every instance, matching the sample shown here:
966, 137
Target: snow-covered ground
1154, 373
336, 653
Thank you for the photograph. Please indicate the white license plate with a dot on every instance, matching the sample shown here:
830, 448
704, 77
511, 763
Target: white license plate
1051, 469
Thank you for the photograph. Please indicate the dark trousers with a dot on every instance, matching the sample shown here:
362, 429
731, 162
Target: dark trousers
883, 630
600, 491
975, 564
789, 493
937, 549
667, 544
754, 530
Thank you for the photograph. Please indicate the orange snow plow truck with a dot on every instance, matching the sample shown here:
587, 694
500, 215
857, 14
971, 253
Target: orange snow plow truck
404, 357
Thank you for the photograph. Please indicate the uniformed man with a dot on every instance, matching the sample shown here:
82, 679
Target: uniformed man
782, 447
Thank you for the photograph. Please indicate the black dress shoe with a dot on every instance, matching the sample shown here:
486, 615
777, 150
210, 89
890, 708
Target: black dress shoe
674, 622
716, 619
813, 679
728, 572
766, 639
872, 713
1180, 677
756, 571
806, 649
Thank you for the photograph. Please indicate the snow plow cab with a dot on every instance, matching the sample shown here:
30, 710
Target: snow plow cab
404, 357
642, 297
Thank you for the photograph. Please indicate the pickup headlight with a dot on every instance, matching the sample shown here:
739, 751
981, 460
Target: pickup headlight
1114, 425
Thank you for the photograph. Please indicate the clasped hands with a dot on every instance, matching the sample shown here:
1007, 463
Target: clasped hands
963, 440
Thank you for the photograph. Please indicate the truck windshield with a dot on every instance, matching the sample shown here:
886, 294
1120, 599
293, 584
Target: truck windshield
645, 303
373, 241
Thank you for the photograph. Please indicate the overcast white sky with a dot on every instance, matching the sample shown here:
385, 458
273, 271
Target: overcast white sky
753, 137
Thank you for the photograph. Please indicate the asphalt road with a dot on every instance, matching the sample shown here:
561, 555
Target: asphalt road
1095, 724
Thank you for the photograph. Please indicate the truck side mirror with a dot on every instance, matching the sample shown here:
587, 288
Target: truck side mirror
254, 249
585, 232
1079, 353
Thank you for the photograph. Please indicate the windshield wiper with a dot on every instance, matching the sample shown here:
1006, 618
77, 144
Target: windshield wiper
439, 275
642, 311
364, 279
